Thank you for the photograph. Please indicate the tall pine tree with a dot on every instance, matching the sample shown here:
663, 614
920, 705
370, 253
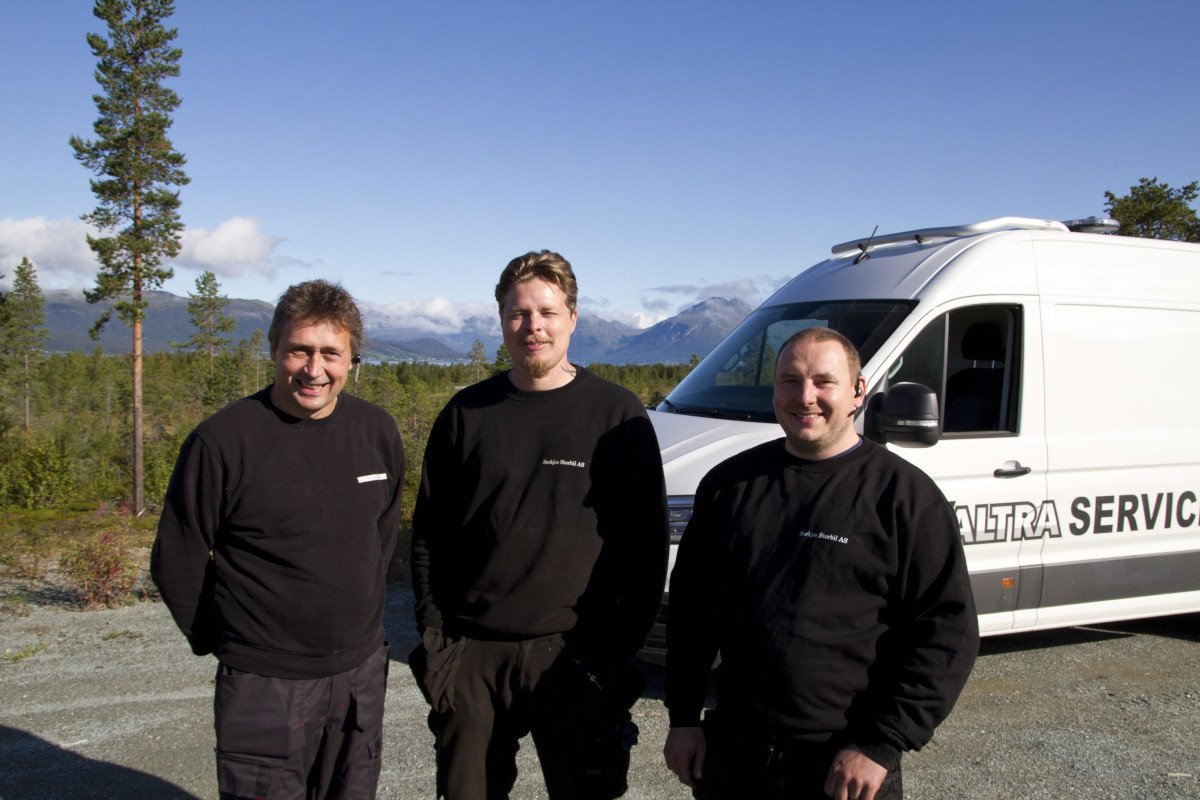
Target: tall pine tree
24, 324
136, 167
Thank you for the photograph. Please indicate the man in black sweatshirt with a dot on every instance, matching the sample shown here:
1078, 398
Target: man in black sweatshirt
829, 574
272, 553
539, 555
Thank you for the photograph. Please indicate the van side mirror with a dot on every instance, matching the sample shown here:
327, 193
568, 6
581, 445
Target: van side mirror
906, 414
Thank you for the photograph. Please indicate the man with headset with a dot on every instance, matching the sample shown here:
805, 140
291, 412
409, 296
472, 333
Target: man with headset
829, 574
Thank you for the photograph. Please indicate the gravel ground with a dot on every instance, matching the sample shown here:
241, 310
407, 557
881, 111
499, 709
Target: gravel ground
111, 704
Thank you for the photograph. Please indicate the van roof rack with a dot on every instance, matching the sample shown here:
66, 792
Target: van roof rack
1089, 225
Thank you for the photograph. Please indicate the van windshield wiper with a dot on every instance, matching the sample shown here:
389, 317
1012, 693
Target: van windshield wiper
716, 413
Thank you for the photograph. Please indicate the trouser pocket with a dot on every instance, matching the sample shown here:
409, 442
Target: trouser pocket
434, 663
252, 717
369, 691
599, 688
246, 778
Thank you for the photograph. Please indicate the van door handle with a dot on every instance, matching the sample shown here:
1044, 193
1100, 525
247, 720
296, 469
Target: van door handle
1012, 469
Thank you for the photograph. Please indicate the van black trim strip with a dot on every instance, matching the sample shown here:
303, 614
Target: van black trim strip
1087, 582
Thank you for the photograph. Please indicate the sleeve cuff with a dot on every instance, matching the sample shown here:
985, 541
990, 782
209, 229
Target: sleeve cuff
883, 754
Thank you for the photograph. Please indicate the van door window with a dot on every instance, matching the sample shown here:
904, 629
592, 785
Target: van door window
970, 358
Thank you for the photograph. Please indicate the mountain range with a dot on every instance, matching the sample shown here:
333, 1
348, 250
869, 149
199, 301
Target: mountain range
695, 330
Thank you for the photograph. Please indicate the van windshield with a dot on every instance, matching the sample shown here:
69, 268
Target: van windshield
736, 380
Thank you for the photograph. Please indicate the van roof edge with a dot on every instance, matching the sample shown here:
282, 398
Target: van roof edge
970, 229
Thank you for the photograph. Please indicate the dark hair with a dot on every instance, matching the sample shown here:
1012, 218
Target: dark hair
550, 267
819, 334
318, 301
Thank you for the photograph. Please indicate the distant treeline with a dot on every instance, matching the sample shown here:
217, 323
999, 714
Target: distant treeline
76, 450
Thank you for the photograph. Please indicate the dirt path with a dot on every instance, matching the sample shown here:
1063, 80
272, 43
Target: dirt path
111, 704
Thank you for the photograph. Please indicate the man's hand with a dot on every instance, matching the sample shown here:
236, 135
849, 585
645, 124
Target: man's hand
684, 752
853, 776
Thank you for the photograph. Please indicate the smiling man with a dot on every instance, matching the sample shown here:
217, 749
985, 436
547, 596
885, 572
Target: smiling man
272, 553
829, 575
539, 553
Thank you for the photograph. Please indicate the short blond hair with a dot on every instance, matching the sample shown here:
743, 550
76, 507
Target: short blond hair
548, 266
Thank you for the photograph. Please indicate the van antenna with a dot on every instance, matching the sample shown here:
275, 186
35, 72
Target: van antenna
865, 247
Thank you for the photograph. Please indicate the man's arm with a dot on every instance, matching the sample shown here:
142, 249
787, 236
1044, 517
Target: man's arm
428, 521
693, 619
692, 643
928, 653
181, 560
389, 520
643, 563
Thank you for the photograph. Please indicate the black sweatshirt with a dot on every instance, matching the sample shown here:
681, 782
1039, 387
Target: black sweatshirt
837, 594
301, 518
541, 512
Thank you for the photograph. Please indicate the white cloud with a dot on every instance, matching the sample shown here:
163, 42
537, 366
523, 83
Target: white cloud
438, 315
652, 312
233, 247
634, 319
59, 250
57, 247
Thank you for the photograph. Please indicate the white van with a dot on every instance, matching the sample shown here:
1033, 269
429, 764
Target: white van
1041, 373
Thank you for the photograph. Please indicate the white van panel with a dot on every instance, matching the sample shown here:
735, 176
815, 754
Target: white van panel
1118, 269
691, 446
1125, 468
1117, 610
910, 272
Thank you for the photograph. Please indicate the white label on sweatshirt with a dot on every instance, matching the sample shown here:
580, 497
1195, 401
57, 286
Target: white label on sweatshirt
562, 462
378, 476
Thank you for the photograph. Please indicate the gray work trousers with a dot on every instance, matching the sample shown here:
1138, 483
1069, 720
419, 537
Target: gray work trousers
313, 739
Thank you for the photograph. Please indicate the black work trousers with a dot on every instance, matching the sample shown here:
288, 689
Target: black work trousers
743, 761
314, 739
486, 695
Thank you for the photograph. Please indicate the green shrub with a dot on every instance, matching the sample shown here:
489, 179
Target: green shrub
100, 568
35, 471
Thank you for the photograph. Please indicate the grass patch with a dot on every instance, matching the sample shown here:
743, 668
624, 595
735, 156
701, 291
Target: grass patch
126, 634
32, 539
21, 655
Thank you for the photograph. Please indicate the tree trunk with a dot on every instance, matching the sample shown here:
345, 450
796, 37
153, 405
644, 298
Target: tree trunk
139, 500
25, 359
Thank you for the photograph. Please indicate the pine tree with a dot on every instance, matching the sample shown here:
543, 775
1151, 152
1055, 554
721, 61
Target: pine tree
136, 165
477, 363
24, 324
207, 312
503, 361
5, 366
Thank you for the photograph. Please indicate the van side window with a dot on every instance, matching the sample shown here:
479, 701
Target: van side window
970, 357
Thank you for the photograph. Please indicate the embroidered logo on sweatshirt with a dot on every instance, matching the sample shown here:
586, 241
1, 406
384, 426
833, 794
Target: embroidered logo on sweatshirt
562, 462
378, 476
831, 537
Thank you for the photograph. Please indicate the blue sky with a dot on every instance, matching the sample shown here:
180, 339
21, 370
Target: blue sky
672, 151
